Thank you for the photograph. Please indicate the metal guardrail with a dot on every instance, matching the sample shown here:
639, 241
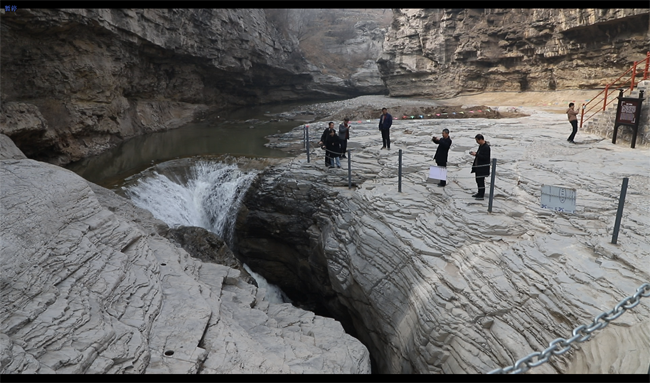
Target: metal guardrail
606, 98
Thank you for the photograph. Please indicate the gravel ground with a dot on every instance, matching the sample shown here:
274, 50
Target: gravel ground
509, 104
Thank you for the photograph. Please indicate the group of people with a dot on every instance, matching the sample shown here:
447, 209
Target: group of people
335, 143
480, 166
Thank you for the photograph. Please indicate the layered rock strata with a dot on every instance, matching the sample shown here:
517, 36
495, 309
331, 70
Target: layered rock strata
445, 52
90, 286
431, 281
78, 81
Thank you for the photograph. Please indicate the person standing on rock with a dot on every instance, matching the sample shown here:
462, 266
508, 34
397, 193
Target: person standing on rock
573, 119
333, 148
442, 152
323, 138
481, 165
385, 121
344, 135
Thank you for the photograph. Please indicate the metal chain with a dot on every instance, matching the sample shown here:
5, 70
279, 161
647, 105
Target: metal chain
581, 334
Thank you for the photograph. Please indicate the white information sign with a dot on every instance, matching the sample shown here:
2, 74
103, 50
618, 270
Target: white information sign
438, 173
558, 198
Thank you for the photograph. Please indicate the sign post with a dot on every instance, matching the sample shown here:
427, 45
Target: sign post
494, 171
349, 169
628, 113
307, 141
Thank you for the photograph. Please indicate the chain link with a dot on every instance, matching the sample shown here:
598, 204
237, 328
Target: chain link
580, 334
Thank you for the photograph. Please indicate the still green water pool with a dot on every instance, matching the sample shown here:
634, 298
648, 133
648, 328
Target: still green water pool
110, 168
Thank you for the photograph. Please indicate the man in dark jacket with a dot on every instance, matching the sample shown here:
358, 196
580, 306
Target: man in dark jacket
442, 152
323, 138
481, 165
333, 149
385, 121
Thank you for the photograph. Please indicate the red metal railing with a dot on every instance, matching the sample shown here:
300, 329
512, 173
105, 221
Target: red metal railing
604, 98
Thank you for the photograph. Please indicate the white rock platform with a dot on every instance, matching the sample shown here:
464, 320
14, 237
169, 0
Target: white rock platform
444, 286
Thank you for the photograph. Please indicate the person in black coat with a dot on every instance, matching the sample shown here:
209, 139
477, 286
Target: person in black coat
481, 165
323, 138
385, 122
344, 135
442, 152
333, 149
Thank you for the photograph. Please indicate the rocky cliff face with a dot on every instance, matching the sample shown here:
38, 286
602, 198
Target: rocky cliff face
78, 81
445, 52
341, 44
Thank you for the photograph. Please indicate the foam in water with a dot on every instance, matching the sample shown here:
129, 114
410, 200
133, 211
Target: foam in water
209, 199
273, 292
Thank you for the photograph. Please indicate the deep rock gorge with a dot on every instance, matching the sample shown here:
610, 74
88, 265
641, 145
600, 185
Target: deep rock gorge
430, 281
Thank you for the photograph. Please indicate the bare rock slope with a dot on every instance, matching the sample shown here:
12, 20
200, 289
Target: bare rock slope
89, 286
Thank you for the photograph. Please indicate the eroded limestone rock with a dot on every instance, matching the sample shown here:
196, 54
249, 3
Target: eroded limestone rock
89, 286
432, 282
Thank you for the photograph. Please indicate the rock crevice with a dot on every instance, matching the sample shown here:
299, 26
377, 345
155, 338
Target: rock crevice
91, 285
433, 283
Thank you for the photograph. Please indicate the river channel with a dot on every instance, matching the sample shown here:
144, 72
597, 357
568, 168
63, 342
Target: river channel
242, 133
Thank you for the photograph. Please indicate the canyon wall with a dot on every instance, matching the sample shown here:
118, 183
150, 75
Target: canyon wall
446, 52
78, 81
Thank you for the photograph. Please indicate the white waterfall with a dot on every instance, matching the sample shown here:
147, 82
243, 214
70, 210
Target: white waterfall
210, 198
273, 292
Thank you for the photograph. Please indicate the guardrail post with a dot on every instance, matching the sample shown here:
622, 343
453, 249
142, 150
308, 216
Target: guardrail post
605, 100
349, 170
647, 63
582, 114
633, 77
399, 173
494, 168
619, 212
307, 141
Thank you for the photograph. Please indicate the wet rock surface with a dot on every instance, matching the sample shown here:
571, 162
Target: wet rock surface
207, 247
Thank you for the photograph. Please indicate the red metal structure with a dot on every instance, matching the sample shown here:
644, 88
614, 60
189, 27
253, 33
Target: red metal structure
604, 98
